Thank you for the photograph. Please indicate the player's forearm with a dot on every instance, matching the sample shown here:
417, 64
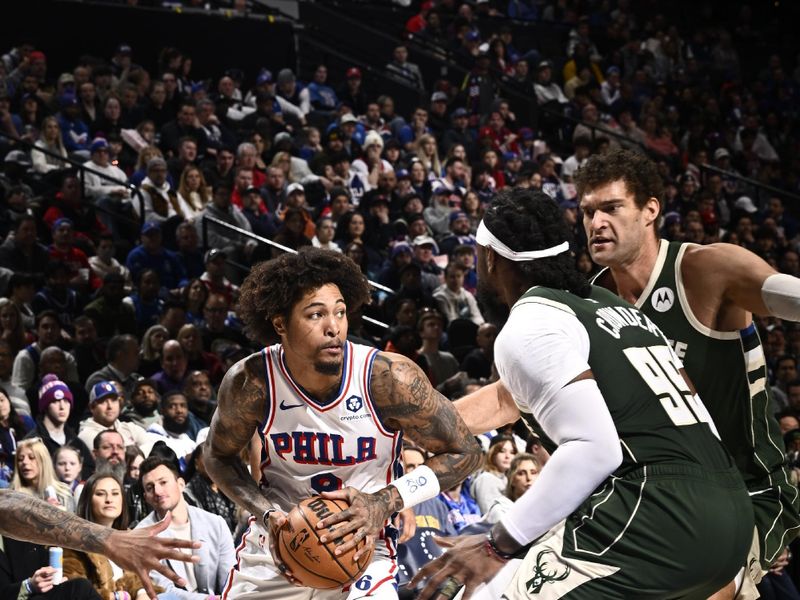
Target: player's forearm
230, 474
487, 408
27, 518
451, 468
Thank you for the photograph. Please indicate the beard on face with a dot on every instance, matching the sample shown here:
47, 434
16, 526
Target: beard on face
491, 307
144, 409
327, 368
173, 426
102, 465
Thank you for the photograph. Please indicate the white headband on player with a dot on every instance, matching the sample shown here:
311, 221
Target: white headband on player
487, 239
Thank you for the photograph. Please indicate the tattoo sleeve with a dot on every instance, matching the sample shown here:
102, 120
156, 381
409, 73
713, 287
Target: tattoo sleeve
240, 409
24, 517
408, 402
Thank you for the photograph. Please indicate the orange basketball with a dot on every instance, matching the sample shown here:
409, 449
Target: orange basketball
312, 563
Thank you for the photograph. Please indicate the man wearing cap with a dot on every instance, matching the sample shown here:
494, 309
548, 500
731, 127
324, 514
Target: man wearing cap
151, 254
460, 233
703, 299
104, 405
74, 132
351, 92
459, 132
292, 92
425, 248
55, 403
512, 164
438, 120
214, 275
296, 199
114, 183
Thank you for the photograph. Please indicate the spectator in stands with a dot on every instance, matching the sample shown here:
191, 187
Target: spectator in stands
50, 139
146, 299
12, 327
188, 252
144, 403
522, 472
459, 233
186, 157
151, 254
453, 300
491, 483
407, 71
193, 190
441, 365
152, 343
478, 362
325, 231
48, 333
103, 262
222, 171
23, 250
196, 358
102, 501
161, 202
110, 122
104, 405
122, 354
183, 126
34, 473
178, 426
289, 90
204, 493
220, 208
88, 350
163, 488
216, 326
199, 391
110, 314
74, 132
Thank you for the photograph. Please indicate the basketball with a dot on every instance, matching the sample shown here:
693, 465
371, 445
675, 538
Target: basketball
313, 563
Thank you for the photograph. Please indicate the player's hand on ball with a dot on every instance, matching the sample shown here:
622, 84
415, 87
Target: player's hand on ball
276, 520
365, 519
465, 563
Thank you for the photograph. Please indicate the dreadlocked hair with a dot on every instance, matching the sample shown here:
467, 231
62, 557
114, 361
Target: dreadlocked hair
524, 220
273, 287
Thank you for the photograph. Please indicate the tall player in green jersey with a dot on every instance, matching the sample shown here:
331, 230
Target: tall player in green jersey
640, 498
702, 298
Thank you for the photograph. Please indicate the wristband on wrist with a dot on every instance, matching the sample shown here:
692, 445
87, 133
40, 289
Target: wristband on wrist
492, 549
28, 587
417, 486
265, 516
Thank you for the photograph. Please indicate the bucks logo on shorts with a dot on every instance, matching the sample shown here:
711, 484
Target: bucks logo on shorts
546, 570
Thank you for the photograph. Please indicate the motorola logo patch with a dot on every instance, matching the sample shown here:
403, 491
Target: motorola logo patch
662, 299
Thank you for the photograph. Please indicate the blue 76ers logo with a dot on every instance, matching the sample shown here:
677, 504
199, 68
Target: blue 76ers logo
354, 403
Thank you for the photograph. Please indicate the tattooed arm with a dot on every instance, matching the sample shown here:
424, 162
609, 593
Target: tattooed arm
27, 518
407, 402
241, 407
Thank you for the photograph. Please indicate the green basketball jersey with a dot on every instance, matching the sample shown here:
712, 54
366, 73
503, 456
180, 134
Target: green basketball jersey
729, 372
657, 417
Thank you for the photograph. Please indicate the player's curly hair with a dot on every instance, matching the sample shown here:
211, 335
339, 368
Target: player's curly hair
525, 219
637, 171
273, 287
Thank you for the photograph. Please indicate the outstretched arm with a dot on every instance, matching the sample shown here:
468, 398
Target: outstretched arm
488, 408
407, 402
26, 518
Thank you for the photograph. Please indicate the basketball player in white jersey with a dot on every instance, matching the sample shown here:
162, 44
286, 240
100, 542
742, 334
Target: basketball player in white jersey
331, 416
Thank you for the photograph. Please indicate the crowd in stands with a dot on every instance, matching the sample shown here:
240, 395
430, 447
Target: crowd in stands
119, 288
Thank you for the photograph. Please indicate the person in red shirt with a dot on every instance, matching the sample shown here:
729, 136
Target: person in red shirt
81, 277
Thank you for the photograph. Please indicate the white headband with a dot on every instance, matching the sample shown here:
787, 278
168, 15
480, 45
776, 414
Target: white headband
486, 238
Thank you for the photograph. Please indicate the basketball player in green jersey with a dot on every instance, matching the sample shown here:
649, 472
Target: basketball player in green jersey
702, 298
640, 499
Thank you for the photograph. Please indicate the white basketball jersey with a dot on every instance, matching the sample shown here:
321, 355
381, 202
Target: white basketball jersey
308, 447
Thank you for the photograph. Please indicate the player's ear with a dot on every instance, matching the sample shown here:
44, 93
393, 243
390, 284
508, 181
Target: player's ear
279, 325
651, 210
491, 259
